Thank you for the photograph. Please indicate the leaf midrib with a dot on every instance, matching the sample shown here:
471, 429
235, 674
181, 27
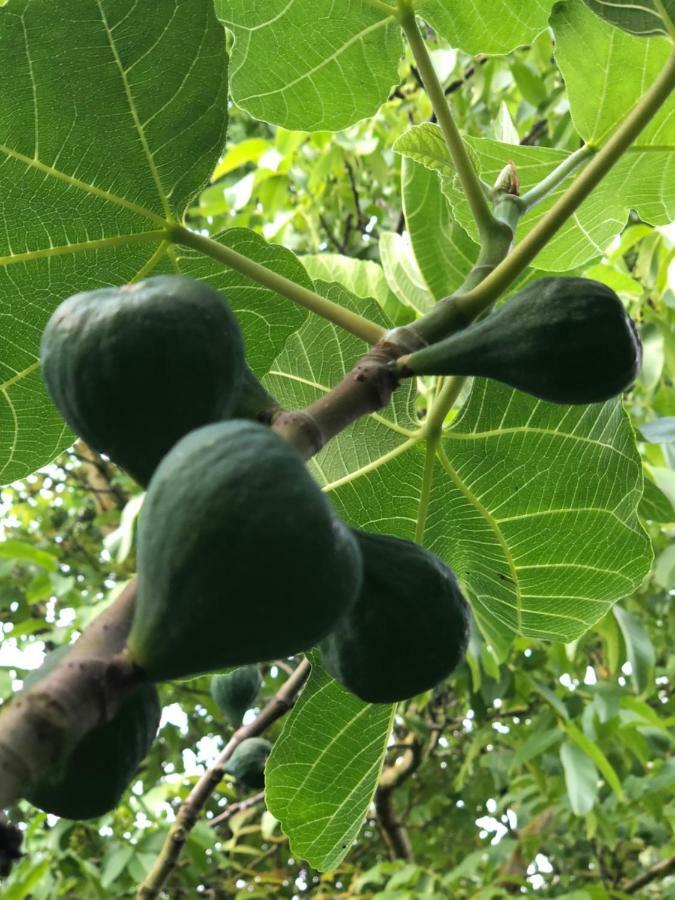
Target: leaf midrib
134, 115
84, 186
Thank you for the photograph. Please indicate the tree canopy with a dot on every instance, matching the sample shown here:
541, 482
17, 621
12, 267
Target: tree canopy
303, 162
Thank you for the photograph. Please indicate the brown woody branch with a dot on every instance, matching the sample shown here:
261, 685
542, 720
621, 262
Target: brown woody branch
513, 873
658, 870
98, 477
199, 795
394, 832
367, 388
234, 808
38, 728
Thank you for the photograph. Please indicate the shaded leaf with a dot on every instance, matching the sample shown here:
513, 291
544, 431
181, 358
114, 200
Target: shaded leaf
402, 272
639, 17
659, 431
595, 753
639, 649
536, 744
443, 250
28, 553
655, 506
581, 778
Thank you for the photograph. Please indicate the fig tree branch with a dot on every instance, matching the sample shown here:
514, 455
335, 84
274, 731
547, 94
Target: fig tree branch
338, 315
234, 808
187, 816
457, 311
394, 830
658, 870
86, 688
468, 176
549, 184
37, 729
97, 476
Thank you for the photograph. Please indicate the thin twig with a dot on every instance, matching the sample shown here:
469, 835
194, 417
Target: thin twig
361, 221
234, 808
187, 815
394, 832
339, 246
538, 130
658, 870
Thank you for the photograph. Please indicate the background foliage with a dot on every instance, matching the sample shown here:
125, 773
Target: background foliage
544, 765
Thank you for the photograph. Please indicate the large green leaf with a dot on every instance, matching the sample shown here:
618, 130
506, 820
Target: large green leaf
111, 118
92, 169
362, 277
403, 273
533, 504
594, 58
322, 773
643, 18
309, 66
487, 26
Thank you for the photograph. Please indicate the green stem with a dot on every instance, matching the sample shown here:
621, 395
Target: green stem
344, 318
666, 17
471, 183
433, 430
446, 399
549, 184
492, 253
456, 312
383, 7
427, 482
433, 326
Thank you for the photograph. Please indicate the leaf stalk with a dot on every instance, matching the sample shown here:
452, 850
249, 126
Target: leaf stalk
471, 183
357, 325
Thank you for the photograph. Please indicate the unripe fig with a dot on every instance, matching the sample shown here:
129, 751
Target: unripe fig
241, 557
408, 629
236, 691
102, 765
247, 763
566, 340
132, 369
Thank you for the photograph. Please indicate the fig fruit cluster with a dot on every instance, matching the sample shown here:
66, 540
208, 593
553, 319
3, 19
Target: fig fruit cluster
241, 557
